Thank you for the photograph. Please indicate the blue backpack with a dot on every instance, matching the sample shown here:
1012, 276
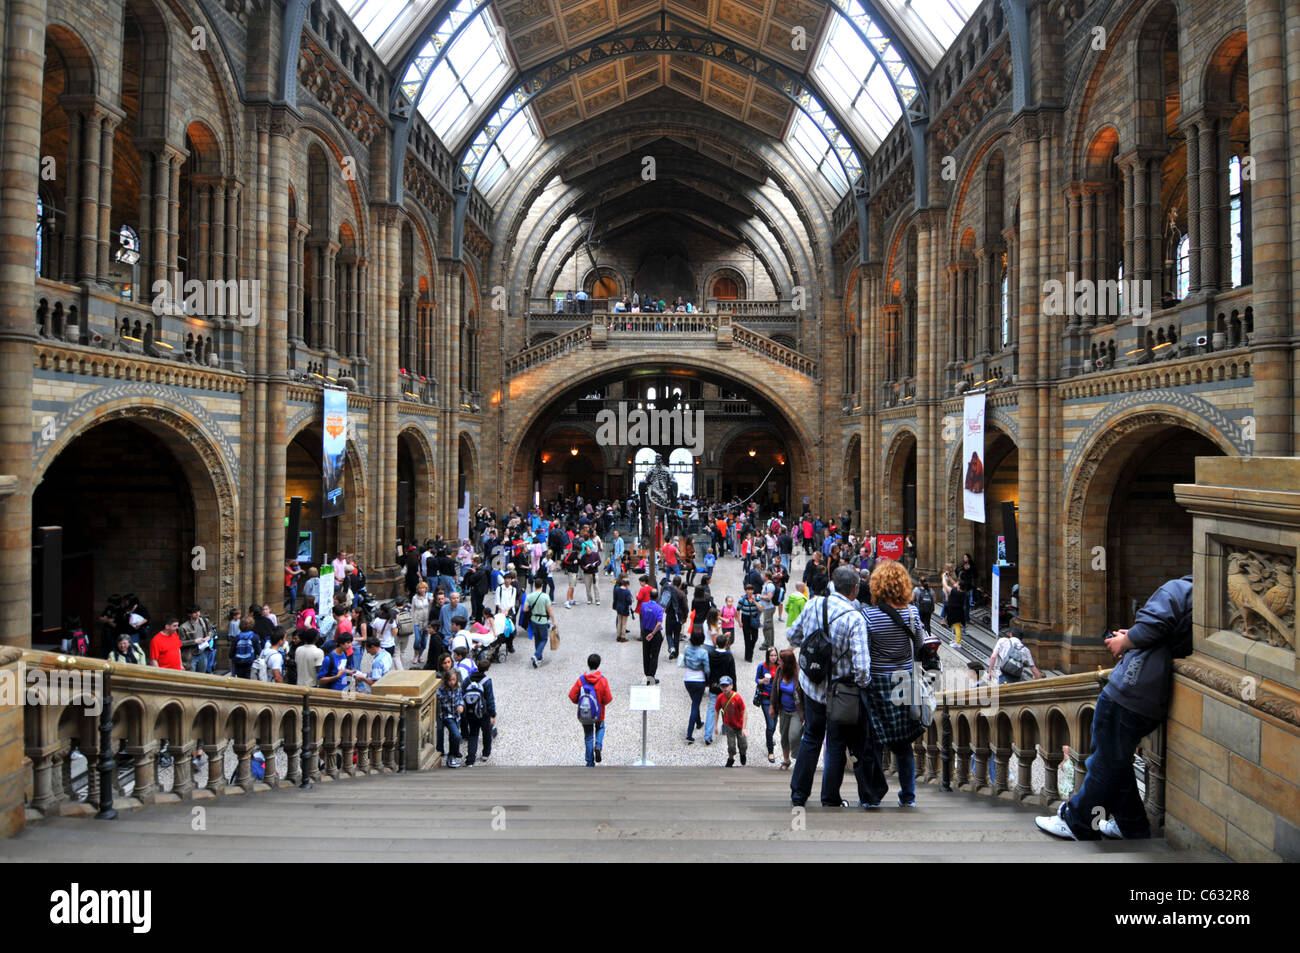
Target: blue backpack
245, 647
588, 702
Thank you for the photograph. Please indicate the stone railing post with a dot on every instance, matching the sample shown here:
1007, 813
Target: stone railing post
945, 750
145, 760
982, 776
244, 765
307, 769
183, 771
1024, 759
216, 755
1051, 783
964, 779
1000, 770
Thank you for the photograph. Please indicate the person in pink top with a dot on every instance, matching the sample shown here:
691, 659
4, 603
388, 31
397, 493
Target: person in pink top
728, 616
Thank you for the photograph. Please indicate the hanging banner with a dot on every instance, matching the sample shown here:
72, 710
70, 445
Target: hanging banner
890, 546
333, 446
973, 459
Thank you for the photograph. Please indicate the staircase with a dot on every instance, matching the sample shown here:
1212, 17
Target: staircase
494, 813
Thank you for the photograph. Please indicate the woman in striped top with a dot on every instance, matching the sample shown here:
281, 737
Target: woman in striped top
893, 647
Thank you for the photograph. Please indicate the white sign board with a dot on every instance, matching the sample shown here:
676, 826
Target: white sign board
994, 604
644, 698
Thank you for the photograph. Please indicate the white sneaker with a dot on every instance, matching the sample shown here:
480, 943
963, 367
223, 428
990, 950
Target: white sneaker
1056, 826
1110, 828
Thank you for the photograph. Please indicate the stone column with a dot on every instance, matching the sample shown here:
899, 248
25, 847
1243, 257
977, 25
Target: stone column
328, 323
70, 257
1105, 268
1129, 219
20, 149
1193, 142
1271, 202
1088, 254
183, 772
175, 159
217, 236
984, 265
928, 445
88, 214
1209, 212
276, 345
107, 130
1034, 600
1051, 787
359, 329
1141, 270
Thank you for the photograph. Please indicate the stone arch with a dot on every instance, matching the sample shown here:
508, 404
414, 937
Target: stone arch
517, 454
892, 508
467, 470
853, 475
422, 482
603, 275
354, 470
724, 272
1000, 442
212, 483
1093, 476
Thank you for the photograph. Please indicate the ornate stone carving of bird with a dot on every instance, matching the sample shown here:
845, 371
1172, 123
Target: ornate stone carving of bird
1247, 600
1281, 596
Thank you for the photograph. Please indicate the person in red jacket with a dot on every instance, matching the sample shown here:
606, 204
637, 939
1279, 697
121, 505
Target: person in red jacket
731, 712
644, 594
593, 683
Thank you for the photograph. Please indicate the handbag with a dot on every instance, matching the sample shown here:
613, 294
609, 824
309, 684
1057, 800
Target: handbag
843, 701
921, 703
555, 639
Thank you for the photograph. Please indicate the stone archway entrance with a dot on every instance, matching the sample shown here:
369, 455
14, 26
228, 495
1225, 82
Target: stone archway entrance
146, 508
1125, 533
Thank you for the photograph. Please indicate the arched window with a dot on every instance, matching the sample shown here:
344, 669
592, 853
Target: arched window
682, 465
1004, 304
128, 253
1119, 279
645, 459
1234, 217
1183, 265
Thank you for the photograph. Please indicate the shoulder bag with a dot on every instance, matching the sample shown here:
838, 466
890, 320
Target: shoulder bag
843, 698
922, 703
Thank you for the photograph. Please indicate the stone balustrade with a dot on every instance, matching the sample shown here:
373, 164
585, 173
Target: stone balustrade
787, 356
194, 726
986, 739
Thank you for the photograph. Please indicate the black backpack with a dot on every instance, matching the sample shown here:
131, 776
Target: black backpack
815, 652
475, 701
926, 599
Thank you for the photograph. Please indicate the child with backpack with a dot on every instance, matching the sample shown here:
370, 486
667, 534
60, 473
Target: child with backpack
731, 712
591, 693
244, 649
480, 713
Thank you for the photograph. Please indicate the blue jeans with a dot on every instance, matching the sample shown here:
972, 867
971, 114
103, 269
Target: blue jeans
541, 632
449, 727
840, 740
593, 739
905, 760
710, 717
291, 598
203, 661
696, 691
771, 725
1111, 784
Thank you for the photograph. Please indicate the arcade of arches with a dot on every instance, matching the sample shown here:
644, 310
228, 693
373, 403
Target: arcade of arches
368, 229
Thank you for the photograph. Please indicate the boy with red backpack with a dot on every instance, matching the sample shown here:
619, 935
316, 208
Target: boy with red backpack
591, 694
731, 712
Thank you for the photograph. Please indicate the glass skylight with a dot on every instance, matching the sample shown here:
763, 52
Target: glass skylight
929, 25
515, 144
473, 70
814, 150
866, 98
386, 23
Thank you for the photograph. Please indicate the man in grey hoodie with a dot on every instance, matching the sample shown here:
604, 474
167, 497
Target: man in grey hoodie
1131, 706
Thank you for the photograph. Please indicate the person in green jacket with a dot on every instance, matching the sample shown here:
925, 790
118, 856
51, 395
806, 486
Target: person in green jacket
794, 603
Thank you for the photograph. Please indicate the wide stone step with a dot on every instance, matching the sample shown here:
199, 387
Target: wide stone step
501, 814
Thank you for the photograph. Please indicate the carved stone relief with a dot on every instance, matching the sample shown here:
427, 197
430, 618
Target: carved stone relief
1261, 596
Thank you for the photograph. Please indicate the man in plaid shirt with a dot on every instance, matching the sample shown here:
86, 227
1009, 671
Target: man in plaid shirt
850, 660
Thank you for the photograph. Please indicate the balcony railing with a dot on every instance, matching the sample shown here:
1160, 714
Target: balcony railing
548, 349
162, 735
998, 739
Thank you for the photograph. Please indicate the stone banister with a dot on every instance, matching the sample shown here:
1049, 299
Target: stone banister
548, 349
1007, 728
191, 716
778, 352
